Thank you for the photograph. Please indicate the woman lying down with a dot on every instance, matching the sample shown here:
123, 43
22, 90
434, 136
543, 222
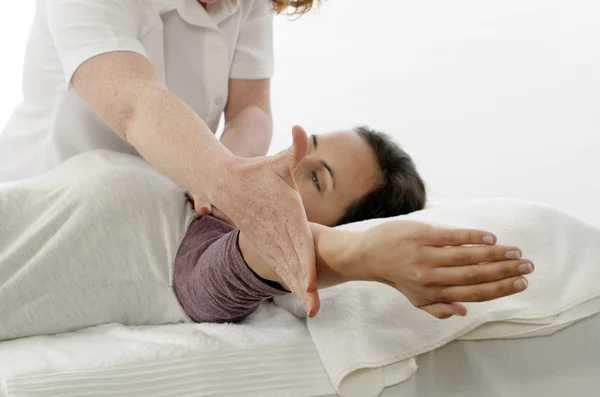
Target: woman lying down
105, 238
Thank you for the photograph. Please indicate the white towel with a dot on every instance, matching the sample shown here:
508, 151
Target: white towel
367, 333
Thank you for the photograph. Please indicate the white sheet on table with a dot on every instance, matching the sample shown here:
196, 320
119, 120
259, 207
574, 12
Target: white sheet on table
273, 352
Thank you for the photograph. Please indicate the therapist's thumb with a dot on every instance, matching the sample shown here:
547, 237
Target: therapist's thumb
299, 147
289, 159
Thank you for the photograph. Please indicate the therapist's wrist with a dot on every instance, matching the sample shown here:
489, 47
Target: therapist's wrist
255, 261
222, 172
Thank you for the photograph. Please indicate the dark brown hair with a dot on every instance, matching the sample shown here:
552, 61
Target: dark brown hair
293, 7
401, 189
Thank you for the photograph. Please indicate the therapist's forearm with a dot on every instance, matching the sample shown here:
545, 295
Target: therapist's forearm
176, 141
130, 95
249, 133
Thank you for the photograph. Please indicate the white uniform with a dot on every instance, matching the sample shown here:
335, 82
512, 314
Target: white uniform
92, 241
195, 50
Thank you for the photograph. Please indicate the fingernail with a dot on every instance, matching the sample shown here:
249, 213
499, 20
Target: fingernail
308, 308
450, 315
525, 268
512, 255
306, 283
520, 284
488, 240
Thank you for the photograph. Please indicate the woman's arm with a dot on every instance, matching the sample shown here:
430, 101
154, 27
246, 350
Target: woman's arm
103, 60
214, 283
428, 264
177, 142
335, 251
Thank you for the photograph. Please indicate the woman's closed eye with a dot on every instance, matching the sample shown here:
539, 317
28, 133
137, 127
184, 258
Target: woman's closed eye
315, 179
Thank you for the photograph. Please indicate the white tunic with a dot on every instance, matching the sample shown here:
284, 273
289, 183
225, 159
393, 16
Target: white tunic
195, 50
92, 241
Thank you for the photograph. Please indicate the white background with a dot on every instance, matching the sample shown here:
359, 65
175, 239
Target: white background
492, 98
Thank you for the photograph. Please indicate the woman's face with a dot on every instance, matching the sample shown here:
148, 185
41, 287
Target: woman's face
339, 169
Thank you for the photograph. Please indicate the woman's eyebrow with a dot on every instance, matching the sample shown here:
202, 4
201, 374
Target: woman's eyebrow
323, 162
328, 168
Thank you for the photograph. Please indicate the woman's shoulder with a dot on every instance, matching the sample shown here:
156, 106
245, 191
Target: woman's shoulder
103, 174
107, 163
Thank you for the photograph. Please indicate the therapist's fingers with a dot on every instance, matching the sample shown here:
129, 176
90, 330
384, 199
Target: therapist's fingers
481, 273
479, 292
202, 207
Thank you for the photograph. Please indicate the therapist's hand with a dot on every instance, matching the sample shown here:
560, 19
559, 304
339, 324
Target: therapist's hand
260, 196
434, 269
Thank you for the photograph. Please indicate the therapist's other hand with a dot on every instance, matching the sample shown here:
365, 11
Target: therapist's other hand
260, 196
434, 269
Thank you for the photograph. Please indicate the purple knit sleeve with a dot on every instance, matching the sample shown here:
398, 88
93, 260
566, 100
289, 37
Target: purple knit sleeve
211, 279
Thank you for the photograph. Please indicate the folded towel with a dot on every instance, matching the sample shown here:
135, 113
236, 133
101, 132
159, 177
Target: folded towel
367, 333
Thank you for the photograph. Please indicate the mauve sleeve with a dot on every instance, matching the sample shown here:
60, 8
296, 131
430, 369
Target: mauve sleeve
211, 279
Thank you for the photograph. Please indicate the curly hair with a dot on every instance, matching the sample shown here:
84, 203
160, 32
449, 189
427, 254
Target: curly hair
293, 7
